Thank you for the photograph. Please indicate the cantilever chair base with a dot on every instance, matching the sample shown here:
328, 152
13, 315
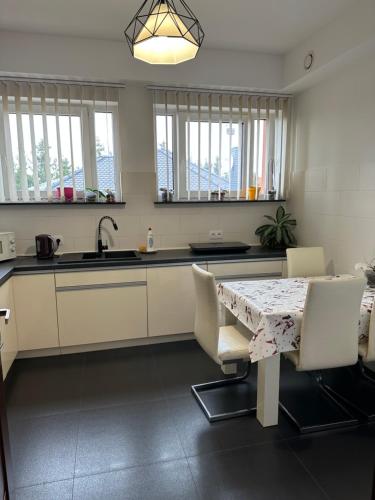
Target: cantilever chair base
311, 407
354, 388
209, 387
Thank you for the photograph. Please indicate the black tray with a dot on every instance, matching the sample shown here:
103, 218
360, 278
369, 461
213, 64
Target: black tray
221, 247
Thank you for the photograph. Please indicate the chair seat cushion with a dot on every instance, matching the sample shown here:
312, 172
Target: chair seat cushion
233, 345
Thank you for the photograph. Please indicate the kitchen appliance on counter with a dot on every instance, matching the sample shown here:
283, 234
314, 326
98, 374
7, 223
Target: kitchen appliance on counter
7, 246
219, 247
46, 246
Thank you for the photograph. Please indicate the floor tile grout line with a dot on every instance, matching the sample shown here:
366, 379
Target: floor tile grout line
193, 478
130, 467
309, 473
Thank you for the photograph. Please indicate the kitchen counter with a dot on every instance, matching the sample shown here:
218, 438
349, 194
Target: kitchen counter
162, 257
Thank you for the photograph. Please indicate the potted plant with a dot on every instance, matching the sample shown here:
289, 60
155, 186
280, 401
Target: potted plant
278, 234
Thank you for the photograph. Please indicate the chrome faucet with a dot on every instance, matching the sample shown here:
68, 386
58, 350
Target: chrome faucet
102, 247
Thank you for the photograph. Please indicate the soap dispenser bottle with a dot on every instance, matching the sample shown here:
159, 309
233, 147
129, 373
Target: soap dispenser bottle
150, 241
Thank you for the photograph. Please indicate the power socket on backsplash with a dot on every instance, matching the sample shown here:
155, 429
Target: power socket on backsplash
216, 235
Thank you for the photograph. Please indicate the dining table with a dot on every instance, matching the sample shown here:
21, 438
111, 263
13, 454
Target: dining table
272, 311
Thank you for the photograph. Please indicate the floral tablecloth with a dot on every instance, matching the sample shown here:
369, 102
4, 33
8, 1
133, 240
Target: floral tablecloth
273, 309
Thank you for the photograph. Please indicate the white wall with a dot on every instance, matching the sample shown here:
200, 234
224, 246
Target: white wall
349, 36
333, 188
110, 60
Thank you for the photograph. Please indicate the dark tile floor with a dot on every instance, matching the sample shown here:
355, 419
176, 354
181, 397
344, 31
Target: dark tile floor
122, 424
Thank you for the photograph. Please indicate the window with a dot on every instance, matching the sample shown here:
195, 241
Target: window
219, 147
56, 143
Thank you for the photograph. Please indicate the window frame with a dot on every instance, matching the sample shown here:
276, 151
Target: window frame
86, 112
180, 118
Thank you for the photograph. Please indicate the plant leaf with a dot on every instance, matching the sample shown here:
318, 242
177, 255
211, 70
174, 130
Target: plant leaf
280, 213
278, 234
291, 222
261, 229
291, 236
270, 218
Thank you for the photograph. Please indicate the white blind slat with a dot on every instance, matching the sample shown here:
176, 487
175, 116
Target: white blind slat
71, 147
177, 142
220, 138
240, 146
21, 147
230, 145
167, 140
188, 145
258, 145
59, 153
209, 145
47, 163
199, 146
33, 146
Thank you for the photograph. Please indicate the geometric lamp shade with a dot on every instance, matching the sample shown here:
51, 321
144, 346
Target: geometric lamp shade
164, 32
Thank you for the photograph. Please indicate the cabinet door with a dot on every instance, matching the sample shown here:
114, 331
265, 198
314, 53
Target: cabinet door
92, 313
8, 327
35, 302
249, 270
171, 300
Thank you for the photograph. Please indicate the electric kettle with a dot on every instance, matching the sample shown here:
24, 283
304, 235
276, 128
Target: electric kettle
46, 246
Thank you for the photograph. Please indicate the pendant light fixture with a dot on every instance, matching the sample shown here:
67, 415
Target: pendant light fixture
164, 32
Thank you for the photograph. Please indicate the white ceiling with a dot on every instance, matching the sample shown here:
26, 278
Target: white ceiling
273, 26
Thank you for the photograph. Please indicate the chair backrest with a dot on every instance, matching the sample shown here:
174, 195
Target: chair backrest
206, 328
329, 332
305, 262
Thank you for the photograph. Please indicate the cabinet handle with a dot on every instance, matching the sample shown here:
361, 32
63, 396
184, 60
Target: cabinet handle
100, 286
5, 313
236, 277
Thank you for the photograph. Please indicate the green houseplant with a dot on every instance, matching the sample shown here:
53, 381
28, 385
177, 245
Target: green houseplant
278, 234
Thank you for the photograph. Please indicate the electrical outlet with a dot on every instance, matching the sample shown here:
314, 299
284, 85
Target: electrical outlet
216, 235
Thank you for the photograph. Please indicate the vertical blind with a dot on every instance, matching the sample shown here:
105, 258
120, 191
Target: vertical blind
48, 135
207, 142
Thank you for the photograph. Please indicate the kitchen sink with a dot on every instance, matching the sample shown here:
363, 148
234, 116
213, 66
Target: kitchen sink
112, 255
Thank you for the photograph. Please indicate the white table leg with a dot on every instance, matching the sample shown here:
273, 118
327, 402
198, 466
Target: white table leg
268, 391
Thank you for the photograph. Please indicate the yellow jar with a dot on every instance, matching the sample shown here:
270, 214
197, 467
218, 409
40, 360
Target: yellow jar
253, 192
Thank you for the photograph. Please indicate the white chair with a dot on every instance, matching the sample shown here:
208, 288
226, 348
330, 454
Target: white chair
224, 344
305, 262
355, 386
329, 339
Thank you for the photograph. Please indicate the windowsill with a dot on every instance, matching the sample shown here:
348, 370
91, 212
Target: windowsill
215, 202
62, 204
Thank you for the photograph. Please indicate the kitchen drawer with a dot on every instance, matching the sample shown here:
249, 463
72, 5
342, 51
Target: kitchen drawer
107, 277
101, 313
246, 270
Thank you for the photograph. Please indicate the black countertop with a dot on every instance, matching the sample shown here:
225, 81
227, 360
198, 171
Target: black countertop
73, 260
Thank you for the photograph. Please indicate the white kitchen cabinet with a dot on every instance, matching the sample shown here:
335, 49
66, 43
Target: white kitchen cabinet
35, 304
171, 300
101, 306
250, 270
8, 329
